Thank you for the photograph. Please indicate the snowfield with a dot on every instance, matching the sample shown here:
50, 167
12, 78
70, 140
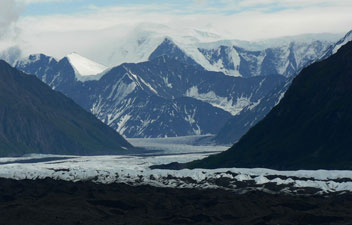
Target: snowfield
134, 170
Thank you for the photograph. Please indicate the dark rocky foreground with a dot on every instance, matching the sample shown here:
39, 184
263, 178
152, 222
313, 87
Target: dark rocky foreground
59, 202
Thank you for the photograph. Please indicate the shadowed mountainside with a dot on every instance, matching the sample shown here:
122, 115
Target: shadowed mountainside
36, 119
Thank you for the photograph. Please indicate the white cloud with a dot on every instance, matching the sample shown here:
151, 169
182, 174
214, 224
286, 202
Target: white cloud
9, 14
39, 1
91, 31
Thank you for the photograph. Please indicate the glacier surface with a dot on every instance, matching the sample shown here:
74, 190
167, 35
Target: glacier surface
135, 170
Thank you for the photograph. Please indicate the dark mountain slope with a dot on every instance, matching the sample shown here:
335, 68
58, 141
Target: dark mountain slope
309, 129
36, 119
239, 125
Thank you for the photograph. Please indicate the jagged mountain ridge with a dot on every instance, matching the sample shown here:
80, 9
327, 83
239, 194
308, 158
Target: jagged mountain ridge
36, 119
225, 96
158, 98
286, 60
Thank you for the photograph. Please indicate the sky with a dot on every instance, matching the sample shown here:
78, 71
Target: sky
58, 27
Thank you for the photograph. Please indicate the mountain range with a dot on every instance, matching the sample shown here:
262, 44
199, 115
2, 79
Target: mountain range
179, 90
157, 98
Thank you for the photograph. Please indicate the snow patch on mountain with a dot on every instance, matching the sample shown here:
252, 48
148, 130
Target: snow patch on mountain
190, 118
229, 105
166, 81
121, 90
254, 104
140, 81
121, 124
220, 58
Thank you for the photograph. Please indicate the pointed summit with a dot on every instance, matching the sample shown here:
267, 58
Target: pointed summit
169, 48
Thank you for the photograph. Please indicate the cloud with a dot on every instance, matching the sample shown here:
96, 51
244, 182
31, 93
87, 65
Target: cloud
238, 6
254, 19
9, 14
39, 1
11, 54
101, 27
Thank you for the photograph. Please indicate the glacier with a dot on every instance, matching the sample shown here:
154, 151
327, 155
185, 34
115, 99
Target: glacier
135, 170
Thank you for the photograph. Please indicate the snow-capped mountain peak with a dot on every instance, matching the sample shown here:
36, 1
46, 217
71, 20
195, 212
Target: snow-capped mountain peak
84, 66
